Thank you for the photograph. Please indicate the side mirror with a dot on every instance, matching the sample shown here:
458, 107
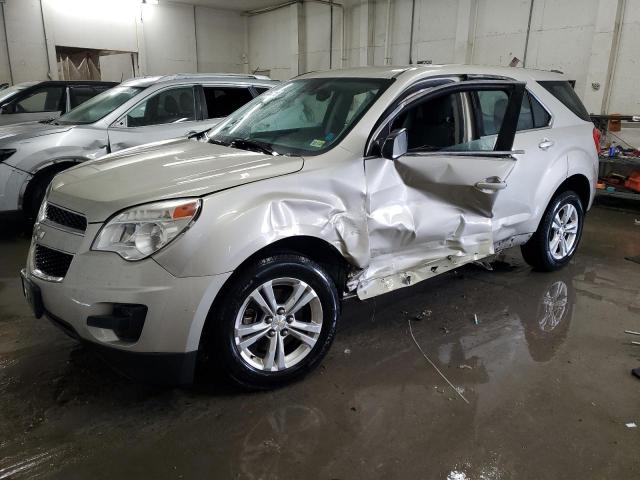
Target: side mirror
396, 144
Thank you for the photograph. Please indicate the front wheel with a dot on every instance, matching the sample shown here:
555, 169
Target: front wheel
276, 321
556, 240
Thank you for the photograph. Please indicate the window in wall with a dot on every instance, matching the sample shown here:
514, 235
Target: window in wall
222, 101
168, 106
46, 99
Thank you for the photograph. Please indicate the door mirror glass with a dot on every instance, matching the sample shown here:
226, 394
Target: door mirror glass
396, 144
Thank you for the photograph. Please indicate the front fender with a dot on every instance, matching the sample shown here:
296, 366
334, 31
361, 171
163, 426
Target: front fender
236, 223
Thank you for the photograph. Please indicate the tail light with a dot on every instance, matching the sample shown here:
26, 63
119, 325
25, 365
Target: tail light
596, 139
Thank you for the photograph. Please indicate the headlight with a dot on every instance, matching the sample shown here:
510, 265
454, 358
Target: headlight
6, 153
42, 212
141, 231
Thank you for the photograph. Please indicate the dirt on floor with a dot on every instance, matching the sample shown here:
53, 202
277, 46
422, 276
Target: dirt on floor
541, 358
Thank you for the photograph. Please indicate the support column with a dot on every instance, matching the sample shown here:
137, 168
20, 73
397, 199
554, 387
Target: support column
296, 38
366, 33
465, 31
604, 48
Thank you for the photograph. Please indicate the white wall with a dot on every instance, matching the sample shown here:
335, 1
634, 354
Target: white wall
221, 39
626, 79
92, 24
26, 45
272, 36
117, 67
5, 74
169, 38
164, 36
575, 36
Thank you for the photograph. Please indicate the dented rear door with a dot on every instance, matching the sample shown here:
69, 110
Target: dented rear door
433, 207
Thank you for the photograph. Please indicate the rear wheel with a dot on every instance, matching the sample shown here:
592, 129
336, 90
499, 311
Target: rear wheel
558, 235
276, 322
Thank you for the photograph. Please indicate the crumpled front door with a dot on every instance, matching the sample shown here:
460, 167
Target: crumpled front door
431, 211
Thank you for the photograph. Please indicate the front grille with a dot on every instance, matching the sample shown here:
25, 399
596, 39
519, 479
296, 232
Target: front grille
51, 262
66, 218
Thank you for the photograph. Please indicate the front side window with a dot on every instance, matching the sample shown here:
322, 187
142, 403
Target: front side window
99, 106
174, 105
301, 117
9, 92
46, 99
222, 101
432, 125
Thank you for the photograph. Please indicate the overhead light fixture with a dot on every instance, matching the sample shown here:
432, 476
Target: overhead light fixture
150, 2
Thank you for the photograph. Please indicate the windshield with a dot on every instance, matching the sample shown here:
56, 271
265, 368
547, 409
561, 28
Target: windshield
301, 117
99, 106
8, 92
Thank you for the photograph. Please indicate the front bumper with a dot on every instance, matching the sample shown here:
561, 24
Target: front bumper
96, 282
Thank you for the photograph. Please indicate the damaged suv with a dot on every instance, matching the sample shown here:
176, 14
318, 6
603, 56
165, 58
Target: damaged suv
236, 247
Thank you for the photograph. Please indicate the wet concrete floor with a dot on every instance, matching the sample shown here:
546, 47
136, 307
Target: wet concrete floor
546, 372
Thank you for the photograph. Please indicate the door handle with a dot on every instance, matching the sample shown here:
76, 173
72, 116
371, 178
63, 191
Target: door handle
495, 185
545, 143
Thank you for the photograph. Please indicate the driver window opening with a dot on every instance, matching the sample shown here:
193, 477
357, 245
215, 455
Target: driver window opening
458, 122
169, 106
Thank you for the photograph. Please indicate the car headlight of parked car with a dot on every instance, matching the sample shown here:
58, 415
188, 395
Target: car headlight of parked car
141, 231
6, 153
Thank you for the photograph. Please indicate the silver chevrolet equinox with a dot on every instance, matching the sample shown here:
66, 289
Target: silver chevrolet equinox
137, 111
234, 248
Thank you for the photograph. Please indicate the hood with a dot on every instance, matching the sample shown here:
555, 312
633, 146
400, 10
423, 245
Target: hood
22, 131
174, 169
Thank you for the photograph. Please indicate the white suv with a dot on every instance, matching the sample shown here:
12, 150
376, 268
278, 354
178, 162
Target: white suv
137, 111
239, 244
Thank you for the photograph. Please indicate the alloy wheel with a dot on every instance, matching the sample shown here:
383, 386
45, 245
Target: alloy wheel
564, 232
278, 324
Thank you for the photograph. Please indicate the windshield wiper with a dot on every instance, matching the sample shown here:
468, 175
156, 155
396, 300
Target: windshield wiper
249, 144
218, 142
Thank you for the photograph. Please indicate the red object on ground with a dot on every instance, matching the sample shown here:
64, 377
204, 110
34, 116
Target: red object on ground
633, 182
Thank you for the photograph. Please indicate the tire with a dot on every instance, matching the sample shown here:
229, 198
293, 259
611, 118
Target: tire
247, 302
542, 251
36, 194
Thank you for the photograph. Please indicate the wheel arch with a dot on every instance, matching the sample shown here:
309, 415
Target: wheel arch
315, 248
578, 183
55, 166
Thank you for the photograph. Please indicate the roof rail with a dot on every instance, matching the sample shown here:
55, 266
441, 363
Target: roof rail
233, 75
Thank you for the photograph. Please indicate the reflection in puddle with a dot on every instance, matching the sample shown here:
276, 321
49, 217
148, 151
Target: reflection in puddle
281, 436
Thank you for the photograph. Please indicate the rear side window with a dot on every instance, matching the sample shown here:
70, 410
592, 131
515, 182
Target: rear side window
564, 92
541, 117
222, 101
493, 105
